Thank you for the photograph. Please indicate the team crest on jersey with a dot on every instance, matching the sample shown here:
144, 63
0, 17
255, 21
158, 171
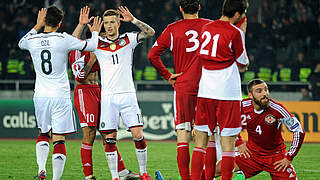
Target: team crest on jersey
122, 42
269, 119
113, 46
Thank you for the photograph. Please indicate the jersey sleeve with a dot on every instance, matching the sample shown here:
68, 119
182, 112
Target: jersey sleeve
238, 47
295, 127
133, 38
162, 43
23, 43
77, 65
73, 43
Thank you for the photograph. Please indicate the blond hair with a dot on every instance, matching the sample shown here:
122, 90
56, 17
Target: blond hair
111, 12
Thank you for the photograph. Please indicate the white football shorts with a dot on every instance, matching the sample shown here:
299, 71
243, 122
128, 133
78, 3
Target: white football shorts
115, 105
56, 114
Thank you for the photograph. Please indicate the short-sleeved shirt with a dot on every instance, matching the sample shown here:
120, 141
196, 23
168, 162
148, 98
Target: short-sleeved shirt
222, 50
182, 38
49, 52
115, 60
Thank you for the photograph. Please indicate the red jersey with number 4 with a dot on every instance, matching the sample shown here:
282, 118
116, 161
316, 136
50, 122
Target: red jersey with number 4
264, 128
182, 38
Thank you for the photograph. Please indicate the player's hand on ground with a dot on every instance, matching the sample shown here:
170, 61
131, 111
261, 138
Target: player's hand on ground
84, 16
173, 78
282, 164
125, 13
97, 24
41, 20
244, 151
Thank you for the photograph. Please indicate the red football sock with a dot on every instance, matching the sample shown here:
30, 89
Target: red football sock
197, 163
59, 148
86, 158
121, 165
227, 165
210, 160
183, 159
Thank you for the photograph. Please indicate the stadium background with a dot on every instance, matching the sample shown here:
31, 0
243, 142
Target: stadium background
283, 44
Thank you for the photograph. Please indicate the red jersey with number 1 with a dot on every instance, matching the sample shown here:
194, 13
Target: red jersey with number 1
182, 38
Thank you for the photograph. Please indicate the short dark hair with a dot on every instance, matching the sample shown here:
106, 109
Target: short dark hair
54, 16
230, 7
252, 83
189, 6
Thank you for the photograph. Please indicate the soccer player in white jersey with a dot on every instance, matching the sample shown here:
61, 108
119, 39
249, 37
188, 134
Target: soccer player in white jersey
53, 107
118, 98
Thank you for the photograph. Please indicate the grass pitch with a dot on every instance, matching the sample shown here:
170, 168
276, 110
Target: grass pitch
18, 162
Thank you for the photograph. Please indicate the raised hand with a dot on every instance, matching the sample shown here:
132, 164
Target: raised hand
41, 20
97, 24
125, 13
84, 16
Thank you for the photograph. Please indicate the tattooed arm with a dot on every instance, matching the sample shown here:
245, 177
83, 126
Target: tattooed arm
147, 31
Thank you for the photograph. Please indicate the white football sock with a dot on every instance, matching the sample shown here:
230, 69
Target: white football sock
142, 159
42, 151
58, 162
112, 159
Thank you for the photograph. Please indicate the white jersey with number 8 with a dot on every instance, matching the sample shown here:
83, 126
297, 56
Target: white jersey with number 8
49, 52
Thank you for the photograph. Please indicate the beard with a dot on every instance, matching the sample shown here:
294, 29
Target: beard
262, 105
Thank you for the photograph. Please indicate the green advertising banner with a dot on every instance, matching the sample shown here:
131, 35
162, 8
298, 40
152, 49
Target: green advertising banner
18, 120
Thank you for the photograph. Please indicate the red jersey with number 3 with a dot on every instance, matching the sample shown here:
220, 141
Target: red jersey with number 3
264, 128
182, 38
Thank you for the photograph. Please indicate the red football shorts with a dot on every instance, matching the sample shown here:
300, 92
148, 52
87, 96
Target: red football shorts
184, 110
87, 103
224, 113
256, 164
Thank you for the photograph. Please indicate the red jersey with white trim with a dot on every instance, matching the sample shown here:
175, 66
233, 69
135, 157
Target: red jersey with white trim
78, 60
222, 50
182, 38
222, 44
264, 128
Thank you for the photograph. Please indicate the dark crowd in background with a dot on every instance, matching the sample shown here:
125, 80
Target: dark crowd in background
282, 39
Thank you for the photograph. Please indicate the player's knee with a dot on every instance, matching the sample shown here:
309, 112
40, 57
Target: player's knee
136, 132
138, 135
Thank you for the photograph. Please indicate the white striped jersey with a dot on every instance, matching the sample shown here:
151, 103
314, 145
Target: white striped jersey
49, 52
115, 60
264, 128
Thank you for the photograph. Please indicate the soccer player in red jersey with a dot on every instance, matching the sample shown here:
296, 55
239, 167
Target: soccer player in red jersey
265, 150
222, 54
182, 38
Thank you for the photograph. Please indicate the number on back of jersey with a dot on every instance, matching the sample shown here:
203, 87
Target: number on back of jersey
46, 65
